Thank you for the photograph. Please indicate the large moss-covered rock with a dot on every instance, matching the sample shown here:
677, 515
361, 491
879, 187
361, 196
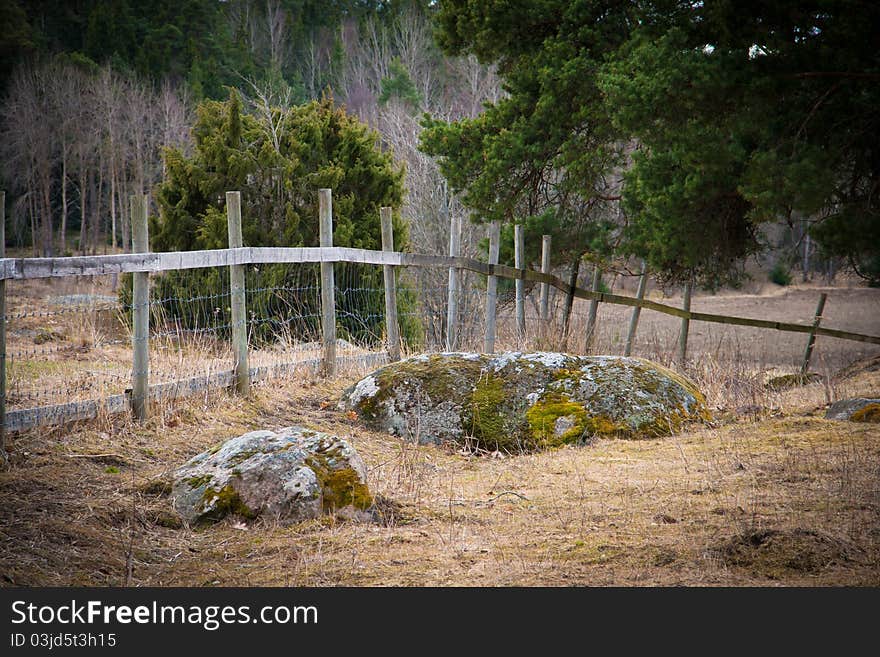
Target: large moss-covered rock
524, 401
859, 409
291, 475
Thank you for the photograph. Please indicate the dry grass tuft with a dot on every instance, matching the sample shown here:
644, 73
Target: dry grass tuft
769, 493
778, 554
789, 499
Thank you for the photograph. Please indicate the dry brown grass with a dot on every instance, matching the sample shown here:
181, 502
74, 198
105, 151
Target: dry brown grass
792, 499
769, 494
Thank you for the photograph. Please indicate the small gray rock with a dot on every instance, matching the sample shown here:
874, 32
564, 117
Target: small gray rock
291, 475
846, 408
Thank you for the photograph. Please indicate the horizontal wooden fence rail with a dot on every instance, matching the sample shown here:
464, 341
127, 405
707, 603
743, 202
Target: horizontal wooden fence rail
26, 418
26, 268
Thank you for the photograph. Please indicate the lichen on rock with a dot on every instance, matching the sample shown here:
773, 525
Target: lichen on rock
291, 475
522, 402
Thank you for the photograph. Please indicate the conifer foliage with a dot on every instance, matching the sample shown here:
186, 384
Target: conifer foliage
278, 160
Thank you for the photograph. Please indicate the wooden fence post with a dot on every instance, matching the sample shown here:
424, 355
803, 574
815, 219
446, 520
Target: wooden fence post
545, 269
454, 291
492, 287
392, 331
237, 296
811, 341
634, 320
685, 324
569, 300
518, 262
3, 456
140, 313
328, 292
594, 308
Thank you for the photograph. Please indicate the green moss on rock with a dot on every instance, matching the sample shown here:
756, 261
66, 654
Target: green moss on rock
224, 502
341, 487
787, 381
198, 482
544, 417
487, 416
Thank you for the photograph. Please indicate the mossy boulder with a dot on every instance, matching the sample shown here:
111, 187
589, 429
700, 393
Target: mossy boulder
860, 409
787, 381
291, 475
523, 401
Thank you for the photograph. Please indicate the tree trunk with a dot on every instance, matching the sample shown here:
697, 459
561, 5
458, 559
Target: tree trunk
46, 219
124, 217
63, 230
32, 210
96, 226
807, 245
113, 199
83, 223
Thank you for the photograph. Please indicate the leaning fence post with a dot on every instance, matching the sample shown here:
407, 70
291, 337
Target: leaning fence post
328, 293
492, 287
518, 262
2, 333
685, 324
545, 269
569, 299
811, 341
140, 304
634, 321
237, 295
391, 329
452, 302
594, 307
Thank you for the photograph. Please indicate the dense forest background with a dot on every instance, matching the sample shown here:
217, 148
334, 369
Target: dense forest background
95, 92
690, 135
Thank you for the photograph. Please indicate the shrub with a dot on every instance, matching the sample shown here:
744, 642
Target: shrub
279, 178
780, 274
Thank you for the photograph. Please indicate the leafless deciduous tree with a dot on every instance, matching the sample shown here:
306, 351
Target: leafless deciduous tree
70, 133
447, 88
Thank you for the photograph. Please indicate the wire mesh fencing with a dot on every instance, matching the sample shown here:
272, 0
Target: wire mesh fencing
66, 341
69, 339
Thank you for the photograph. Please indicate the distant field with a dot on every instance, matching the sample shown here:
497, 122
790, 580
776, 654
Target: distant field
854, 309
69, 340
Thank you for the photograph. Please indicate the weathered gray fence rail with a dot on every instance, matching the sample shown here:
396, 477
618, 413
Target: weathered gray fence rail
237, 257
26, 268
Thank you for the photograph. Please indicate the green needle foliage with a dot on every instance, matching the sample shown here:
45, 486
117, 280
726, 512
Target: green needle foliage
539, 155
399, 85
735, 114
278, 163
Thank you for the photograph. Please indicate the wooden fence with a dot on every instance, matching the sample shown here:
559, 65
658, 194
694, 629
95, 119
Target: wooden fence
237, 256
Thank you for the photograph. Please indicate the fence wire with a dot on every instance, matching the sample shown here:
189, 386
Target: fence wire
69, 339
65, 341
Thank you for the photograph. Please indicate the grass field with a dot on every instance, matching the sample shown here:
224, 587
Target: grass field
770, 493
789, 499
